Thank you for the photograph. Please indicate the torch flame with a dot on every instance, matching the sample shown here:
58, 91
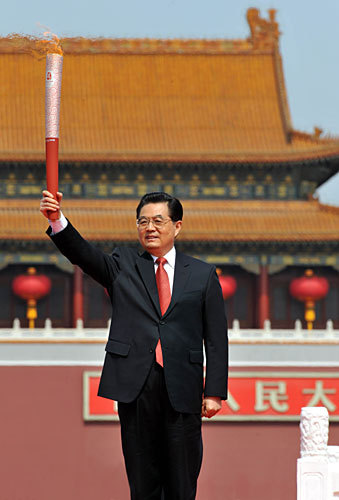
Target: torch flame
50, 45
36, 46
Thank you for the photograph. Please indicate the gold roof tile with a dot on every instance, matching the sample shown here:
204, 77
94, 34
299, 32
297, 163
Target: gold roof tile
105, 220
157, 100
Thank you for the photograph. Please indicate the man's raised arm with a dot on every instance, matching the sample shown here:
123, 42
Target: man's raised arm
100, 266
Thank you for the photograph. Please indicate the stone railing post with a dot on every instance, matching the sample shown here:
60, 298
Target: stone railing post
312, 469
318, 467
333, 466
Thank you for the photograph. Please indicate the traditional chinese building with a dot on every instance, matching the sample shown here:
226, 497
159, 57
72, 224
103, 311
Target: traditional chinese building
208, 121
205, 120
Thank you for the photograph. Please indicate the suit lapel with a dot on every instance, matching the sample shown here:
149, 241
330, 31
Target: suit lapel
181, 275
145, 265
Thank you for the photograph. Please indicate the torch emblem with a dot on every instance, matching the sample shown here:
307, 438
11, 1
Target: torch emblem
49, 78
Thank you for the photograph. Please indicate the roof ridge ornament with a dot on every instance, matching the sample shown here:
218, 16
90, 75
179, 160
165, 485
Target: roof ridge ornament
264, 33
264, 37
317, 132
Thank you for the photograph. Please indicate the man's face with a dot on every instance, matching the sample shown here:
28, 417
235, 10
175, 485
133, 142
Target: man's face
158, 240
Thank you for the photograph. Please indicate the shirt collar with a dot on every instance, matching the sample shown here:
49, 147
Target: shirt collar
170, 257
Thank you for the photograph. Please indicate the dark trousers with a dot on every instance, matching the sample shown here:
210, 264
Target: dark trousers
162, 447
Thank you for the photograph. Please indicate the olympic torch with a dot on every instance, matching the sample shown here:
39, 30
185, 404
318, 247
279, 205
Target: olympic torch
52, 114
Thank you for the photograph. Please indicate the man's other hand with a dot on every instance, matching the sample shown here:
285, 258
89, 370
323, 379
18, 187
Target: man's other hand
210, 406
49, 204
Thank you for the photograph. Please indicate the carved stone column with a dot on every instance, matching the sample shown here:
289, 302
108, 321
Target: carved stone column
314, 433
312, 475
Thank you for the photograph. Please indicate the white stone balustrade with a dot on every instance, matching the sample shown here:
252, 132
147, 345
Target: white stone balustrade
236, 333
318, 466
248, 347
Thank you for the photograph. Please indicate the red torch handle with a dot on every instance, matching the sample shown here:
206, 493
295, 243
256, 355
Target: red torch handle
52, 170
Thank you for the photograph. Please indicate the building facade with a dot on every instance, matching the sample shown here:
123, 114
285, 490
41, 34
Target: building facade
205, 120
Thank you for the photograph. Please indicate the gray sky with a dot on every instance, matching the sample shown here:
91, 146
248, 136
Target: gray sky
309, 41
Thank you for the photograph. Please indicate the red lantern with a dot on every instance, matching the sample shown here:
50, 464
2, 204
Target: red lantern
308, 289
228, 285
31, 287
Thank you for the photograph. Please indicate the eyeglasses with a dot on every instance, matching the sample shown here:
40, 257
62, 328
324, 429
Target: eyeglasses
158, 222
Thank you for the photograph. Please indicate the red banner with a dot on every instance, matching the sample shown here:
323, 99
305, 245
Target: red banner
253, 395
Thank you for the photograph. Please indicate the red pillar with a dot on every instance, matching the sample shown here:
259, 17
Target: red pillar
78, 296
264, 301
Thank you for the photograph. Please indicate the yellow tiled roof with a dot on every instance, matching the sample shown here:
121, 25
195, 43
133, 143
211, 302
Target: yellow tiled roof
157, 100
203, 220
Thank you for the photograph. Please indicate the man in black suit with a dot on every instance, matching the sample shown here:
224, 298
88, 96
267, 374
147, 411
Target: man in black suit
165, 307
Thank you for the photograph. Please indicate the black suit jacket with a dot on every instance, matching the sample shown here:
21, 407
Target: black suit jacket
195, 316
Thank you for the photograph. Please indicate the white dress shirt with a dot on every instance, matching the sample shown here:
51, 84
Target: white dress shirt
60, 224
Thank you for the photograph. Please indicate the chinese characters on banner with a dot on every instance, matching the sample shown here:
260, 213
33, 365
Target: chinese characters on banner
252, 396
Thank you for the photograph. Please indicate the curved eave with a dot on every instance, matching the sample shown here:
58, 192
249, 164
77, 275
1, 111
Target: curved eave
222, 157
204, 221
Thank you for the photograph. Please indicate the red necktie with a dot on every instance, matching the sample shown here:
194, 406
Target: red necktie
164, 291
